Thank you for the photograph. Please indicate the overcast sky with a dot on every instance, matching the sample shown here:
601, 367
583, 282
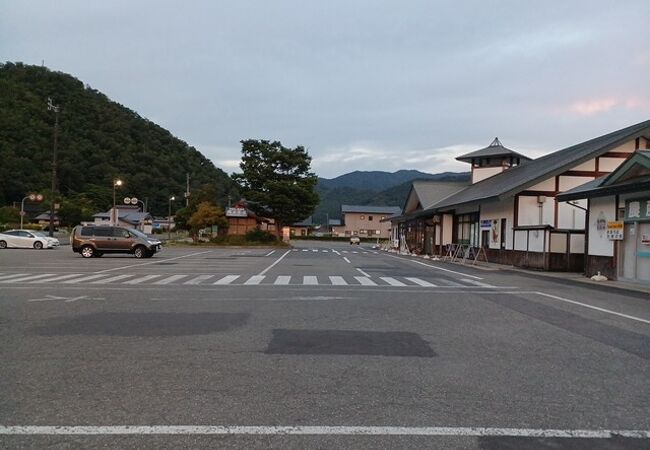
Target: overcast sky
363, 85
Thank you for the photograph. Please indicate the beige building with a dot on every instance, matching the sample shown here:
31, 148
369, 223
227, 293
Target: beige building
365, 221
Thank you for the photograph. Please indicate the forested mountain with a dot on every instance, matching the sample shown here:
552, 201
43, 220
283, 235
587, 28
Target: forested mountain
371, 188
99, 140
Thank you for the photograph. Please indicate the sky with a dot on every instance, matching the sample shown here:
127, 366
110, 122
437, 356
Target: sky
362, 85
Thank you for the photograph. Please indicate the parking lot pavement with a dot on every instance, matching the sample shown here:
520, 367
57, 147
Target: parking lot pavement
507, 363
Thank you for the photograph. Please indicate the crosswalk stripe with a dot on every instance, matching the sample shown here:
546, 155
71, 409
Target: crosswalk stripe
282, 279
392, 281
88, 278
227, 279
476, 283
305, 250
27, 278
420, 282
59, 278
365, 281
324, 251
198, 279
311, 280
4, 277
315, 250
142, 279
171, 279
338, 281
111, 279
255, 279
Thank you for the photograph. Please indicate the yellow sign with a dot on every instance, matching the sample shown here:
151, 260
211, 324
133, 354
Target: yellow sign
615, 230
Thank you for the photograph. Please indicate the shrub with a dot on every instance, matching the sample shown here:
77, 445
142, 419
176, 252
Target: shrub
258, 235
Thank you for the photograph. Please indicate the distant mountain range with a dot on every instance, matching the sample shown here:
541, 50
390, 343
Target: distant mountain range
371, 188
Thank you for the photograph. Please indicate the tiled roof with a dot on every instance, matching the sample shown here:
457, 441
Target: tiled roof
519, 178
369, 209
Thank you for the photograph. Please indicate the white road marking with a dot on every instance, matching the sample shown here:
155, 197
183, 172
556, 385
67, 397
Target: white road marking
65, 299
199, 279
111, 279
435, 267
270, 253
282, 279
171, 279
324, 251
227, 279
355, 252
346, 260
255, 279
392, 281
142, 279
420, 282
275, 262
310, 280
334, 251
363, 273
315, 250
365, 281
13, 275
59, 278
344, 251
88, 278
320, 430
476, 283
608, 311
338, 281
153, 262
305, 250
27, 278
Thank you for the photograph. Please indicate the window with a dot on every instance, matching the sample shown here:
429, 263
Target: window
370, 218
86, 231
103, 231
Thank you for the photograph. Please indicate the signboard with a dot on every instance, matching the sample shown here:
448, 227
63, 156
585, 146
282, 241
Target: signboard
615, 230
236, 212
486, 224
645, 239
637, 210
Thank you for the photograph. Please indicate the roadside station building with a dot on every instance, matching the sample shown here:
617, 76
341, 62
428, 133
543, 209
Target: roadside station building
618, 218
511, 210
241, 220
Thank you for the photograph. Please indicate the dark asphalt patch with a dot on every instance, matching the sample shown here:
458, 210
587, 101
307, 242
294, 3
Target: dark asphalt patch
528, 443
152, 324
348, 342
628, 341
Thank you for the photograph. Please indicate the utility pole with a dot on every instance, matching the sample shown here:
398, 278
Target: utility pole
187, 191
52, 107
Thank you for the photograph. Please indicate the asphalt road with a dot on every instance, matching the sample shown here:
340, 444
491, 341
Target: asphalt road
320, 346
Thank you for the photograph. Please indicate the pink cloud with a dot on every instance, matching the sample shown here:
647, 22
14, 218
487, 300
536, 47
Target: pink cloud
591, 107
599, 105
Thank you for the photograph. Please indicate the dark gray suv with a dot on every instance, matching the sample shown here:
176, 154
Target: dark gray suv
92, 241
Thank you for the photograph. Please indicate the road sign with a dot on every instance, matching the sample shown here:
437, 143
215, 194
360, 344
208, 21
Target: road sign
134, 200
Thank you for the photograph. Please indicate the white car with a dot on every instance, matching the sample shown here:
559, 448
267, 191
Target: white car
26, 239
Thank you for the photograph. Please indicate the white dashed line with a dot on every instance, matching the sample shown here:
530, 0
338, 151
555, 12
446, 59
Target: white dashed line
363, 273
346, 260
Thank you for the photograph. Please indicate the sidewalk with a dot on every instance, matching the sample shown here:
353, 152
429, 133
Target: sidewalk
576, 277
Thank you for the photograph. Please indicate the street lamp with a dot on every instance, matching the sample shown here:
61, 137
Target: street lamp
32, 198
169, 218
117, 182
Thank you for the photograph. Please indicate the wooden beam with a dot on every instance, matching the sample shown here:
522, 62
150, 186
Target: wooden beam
616, 155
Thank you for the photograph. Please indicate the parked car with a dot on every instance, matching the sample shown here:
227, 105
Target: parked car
94, 241
26, 239
355, 240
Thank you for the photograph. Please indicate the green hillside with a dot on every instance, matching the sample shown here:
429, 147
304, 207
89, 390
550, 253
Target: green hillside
99, 140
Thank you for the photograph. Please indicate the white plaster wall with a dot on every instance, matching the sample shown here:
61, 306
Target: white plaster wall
568, 182
529, 211
536, 243
546, 185
577, 243
598, 242
609, 164
481, 173
500, 210
558, 243
570, 216
589, 165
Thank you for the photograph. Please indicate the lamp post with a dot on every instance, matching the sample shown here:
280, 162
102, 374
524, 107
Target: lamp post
169, 218
52, 107
31, 197
116, 183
